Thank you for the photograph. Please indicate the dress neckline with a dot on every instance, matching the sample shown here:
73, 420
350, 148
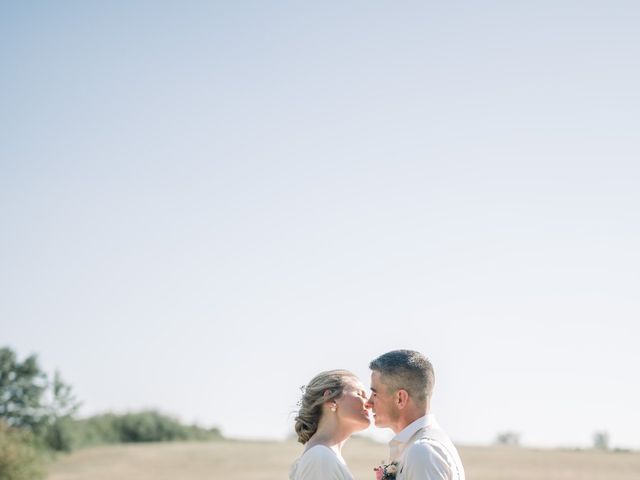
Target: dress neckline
328, 448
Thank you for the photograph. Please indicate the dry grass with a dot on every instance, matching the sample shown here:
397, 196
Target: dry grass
271, 460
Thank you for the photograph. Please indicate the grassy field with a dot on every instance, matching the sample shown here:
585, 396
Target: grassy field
230, 460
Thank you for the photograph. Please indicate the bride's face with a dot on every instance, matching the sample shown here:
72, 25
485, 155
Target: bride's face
352, 406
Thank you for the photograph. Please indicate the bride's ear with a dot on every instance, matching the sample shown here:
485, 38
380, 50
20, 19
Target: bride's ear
326, 394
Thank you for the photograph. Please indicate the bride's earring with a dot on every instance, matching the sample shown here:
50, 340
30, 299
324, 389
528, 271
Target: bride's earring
333, 408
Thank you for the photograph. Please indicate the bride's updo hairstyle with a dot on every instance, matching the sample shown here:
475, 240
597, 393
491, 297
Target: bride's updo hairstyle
313, 398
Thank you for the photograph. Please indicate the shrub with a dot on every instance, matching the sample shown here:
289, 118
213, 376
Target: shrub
150, 426
145, 426
96, 430
61, 435
19, 459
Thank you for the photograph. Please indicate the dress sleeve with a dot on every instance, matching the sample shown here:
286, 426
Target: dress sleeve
319, 464
424, 461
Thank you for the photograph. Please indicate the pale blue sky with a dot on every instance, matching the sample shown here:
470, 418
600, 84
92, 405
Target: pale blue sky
204, 204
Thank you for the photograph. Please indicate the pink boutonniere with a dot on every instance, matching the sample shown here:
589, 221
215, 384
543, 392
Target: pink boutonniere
386, 472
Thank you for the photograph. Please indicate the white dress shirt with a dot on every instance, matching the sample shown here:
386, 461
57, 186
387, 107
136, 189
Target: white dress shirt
320, 463
424, 452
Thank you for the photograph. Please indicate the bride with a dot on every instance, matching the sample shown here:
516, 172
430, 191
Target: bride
333, 406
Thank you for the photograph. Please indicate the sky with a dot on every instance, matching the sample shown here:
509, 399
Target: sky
204, 204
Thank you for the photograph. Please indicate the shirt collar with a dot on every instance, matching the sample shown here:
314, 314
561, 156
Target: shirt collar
405, 435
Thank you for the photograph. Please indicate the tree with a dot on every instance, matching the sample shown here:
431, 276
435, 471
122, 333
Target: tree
601, 440
22, 385
31, 402
508, 438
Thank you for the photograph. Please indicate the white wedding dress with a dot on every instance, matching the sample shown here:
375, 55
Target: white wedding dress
320, 463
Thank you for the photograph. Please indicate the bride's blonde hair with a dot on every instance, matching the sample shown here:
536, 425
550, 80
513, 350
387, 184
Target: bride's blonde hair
313, 398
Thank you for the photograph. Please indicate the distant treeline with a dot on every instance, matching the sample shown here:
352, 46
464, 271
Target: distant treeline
23, 452
145, 426
38, 418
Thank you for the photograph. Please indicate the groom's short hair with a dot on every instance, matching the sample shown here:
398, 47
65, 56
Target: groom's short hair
407, 370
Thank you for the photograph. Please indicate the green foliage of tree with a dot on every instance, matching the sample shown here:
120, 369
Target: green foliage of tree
60, 433
19, 458
29, 400
22, 385
44, 408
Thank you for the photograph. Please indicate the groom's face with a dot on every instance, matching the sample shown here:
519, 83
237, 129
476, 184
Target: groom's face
382, 402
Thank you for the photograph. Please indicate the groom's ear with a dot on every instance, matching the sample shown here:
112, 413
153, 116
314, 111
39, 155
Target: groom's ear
402, 398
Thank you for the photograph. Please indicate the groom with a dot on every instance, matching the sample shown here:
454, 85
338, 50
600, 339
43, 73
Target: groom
401, 387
